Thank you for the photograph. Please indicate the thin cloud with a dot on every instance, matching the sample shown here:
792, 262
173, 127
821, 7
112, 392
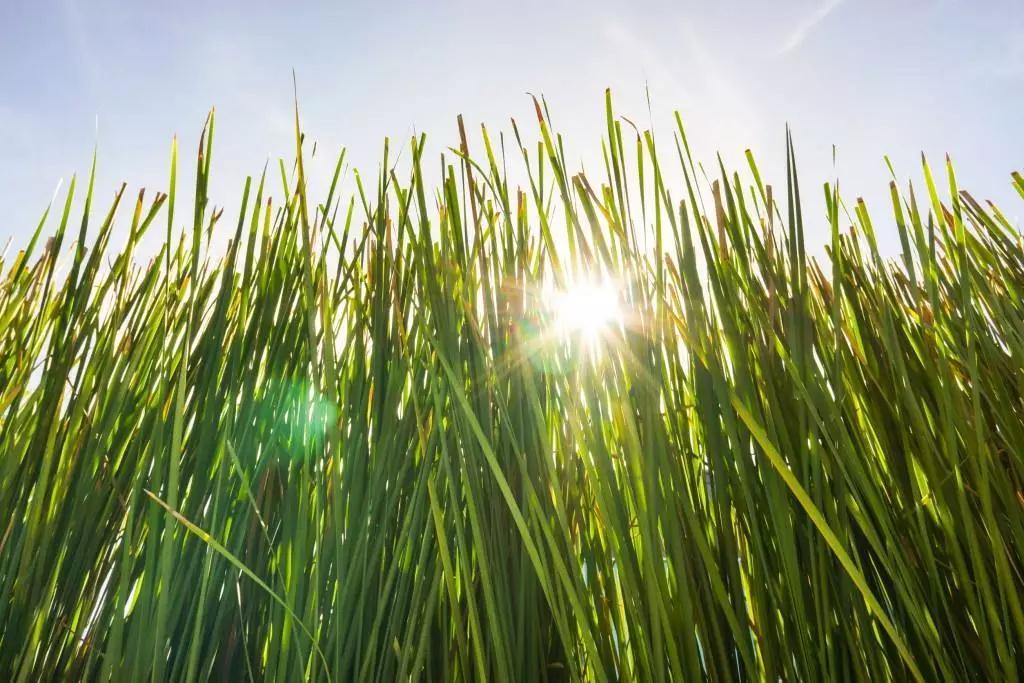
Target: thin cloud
626, 40
806, 26
691, 67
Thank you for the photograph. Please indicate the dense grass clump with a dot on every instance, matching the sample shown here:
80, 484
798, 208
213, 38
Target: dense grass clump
351, 445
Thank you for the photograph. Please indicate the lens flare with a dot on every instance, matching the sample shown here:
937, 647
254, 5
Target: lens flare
585, 310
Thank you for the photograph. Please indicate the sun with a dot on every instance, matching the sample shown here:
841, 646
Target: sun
586, 309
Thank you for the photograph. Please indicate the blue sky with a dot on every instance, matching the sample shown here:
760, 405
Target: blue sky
873, 78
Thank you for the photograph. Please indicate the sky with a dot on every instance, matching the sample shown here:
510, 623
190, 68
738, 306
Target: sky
872, 78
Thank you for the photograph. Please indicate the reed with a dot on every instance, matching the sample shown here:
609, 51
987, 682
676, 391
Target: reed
355, 444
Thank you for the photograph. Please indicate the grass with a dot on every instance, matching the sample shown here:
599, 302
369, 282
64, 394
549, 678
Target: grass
348, 446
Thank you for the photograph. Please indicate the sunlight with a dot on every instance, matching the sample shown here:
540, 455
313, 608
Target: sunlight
585, 309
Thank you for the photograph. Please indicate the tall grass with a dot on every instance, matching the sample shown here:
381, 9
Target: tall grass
349, 447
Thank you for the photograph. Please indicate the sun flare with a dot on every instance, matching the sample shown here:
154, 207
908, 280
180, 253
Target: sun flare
586, 309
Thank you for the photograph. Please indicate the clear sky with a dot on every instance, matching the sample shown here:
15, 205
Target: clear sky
871, 77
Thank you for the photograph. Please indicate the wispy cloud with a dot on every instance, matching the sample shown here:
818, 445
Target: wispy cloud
693, 74
76, 23
807, 24
627, 41
691, 67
